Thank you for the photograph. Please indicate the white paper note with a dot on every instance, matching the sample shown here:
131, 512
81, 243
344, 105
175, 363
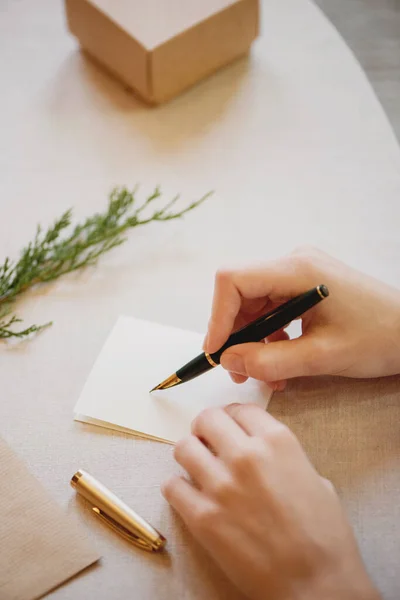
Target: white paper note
137, 356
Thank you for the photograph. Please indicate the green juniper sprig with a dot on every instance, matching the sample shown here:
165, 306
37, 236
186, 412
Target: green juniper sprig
59, 250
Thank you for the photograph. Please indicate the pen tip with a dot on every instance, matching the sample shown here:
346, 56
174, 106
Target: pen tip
172, 381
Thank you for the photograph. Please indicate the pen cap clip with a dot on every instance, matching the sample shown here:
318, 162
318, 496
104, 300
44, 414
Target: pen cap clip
131, 537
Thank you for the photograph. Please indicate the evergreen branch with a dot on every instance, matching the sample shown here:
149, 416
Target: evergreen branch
54, 253
6, 331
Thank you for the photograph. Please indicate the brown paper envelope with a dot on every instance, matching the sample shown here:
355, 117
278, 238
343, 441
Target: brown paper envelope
40, 546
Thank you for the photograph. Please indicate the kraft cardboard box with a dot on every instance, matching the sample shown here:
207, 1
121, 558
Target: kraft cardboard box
161, 47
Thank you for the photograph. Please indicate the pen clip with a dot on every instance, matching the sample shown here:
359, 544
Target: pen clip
131, 537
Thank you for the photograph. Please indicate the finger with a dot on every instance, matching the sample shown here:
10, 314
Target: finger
253, 419
251, 310
199, 463
183, 497
278, 336
277, 361
238, 378
276, 280
218, 431
277, 386
205, 343
329, 485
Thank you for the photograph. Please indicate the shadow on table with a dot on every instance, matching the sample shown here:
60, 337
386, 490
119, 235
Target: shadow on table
82, 79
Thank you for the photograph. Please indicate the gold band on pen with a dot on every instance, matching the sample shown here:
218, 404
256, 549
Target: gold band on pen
210, 360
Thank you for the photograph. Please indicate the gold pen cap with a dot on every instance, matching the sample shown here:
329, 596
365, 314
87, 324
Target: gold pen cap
118, 515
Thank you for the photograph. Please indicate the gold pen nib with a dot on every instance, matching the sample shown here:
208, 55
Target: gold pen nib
167, 383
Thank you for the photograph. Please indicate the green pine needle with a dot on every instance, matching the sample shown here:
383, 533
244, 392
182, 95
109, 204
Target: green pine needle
59, 250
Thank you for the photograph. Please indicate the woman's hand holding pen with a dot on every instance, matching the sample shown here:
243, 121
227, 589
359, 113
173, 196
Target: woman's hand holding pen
257, 505
355, 334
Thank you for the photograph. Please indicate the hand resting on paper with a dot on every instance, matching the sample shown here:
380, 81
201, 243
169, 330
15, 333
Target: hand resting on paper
257, 505
273, 525
354, 333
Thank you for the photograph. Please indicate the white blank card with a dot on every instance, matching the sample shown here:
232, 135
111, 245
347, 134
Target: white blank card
137, 356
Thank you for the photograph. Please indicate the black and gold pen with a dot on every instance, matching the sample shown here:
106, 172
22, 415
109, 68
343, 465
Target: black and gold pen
255, 331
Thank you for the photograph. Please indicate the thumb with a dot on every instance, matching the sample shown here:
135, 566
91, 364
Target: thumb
275, 361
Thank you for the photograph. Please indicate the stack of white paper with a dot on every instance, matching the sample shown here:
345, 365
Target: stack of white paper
137, 356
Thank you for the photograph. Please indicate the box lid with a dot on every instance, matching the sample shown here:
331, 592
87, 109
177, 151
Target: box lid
153, 22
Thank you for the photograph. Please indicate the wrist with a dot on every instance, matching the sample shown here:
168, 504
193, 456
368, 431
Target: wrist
357, 589
349, 586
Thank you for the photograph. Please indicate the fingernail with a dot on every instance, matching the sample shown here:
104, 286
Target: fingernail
234, 363
236, 378
280, 386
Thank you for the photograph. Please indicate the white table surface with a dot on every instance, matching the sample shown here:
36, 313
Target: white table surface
298, 151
